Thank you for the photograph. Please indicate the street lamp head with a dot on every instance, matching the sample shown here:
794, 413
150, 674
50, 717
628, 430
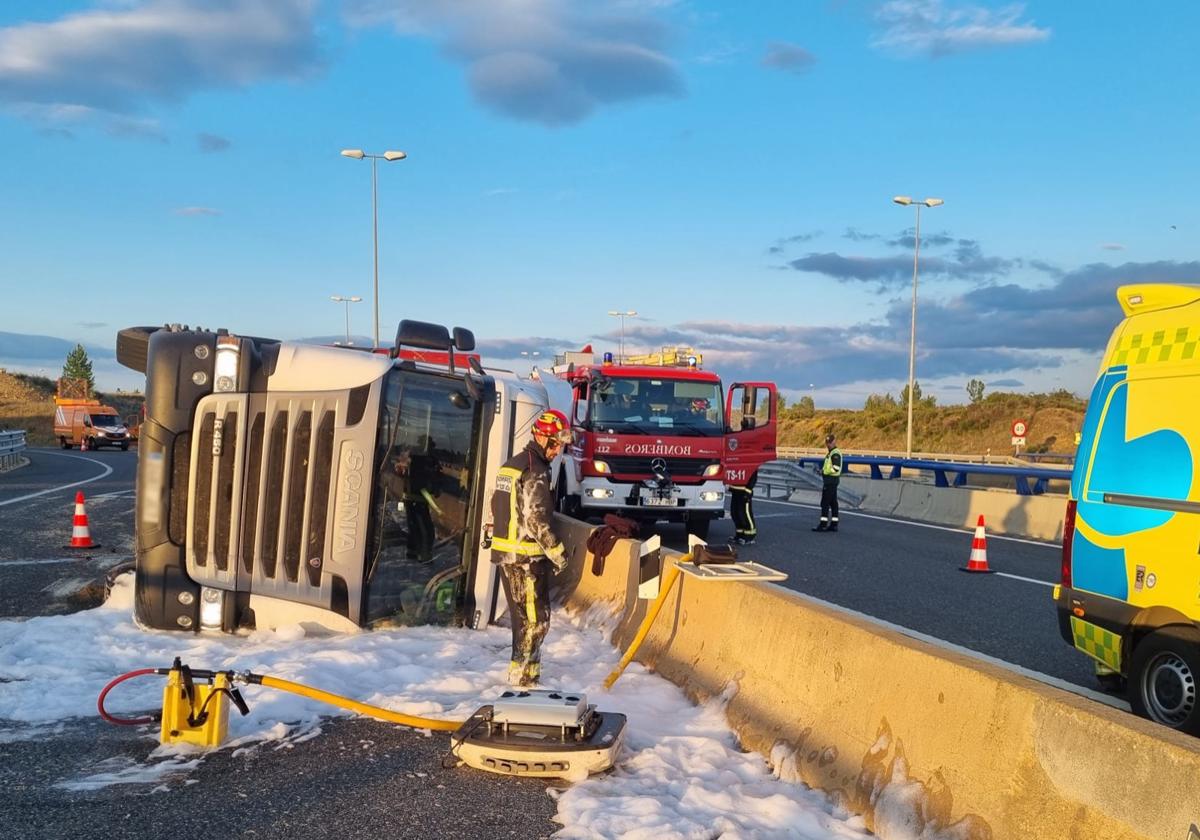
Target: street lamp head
357, 154
356, 299
900, 199
933, 202
336, 298
613, 313
394, 155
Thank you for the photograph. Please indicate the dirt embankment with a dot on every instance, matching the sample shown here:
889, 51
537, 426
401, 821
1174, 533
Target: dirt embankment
975, 429
27, 402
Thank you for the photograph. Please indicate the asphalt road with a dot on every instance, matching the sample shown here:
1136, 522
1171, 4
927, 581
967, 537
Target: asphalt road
907, 574
358, 779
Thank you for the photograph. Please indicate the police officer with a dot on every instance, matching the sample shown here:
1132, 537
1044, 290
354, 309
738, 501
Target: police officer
524, 544
831, 471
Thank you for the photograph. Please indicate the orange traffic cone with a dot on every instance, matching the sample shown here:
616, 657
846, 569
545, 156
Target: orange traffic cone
83, 444
80, 536
978, 561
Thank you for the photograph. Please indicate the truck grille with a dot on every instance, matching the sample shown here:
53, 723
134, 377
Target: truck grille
640, 465
260, 500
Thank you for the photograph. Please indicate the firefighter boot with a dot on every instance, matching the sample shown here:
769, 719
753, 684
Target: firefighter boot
822, 526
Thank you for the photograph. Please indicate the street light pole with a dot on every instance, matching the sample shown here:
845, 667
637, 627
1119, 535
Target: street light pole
347, 301
905, 201
359, 154
622, 315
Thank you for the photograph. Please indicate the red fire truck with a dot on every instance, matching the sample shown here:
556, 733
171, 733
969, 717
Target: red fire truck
656, 436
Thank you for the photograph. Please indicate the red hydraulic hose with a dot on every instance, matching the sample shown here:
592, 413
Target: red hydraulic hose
124, 721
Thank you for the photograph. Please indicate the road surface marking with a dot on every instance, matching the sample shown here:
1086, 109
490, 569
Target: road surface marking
1027, 580
1055, 546
107, 472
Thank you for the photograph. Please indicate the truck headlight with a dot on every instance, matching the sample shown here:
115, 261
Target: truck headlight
226, 367
711, 470
211, 604
601, 466
600, 493
711, 496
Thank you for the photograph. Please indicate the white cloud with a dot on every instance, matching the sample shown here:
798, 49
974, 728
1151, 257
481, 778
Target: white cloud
119, 59
553, 62
931, 27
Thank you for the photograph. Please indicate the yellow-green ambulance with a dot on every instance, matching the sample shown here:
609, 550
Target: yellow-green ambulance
1130, 591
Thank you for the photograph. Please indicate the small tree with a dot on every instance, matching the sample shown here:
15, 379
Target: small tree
916, 394
780, 403
975, 390
79, 366
805, 406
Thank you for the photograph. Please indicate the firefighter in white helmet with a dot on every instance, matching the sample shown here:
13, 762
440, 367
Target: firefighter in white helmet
524, 543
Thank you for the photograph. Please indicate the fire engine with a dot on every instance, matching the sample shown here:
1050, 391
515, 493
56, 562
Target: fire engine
656, 438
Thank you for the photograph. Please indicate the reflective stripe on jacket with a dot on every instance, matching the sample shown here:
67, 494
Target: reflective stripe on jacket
833, 463
522, 507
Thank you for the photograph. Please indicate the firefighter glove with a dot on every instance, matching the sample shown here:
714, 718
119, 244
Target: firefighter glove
558, 557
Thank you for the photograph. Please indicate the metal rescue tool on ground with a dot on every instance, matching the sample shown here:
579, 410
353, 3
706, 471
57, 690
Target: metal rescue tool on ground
523, 732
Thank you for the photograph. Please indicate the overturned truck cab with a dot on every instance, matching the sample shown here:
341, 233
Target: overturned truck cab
283, 482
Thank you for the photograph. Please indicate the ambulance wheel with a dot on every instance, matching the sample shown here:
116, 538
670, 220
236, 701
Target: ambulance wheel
62, 441
699, 528
1163, 678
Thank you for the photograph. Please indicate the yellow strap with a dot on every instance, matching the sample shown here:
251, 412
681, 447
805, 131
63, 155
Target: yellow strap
671, 574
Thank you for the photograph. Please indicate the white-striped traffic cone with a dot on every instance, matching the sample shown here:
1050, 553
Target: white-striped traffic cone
978, 561
80, 535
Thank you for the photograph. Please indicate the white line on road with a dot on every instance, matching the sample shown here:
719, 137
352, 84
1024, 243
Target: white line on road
844, 512
1027, 580
107, 472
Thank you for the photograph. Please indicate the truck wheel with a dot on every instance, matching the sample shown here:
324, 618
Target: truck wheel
699, 528
62, 441
564, 502
1163, 678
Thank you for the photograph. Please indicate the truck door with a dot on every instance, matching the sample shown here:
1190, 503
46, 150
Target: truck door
751, 421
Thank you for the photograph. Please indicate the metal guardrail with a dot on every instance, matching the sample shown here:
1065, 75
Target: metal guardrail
1066, 458
12, 444
947, 473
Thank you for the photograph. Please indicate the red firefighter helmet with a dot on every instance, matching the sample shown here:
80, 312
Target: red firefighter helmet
552, 423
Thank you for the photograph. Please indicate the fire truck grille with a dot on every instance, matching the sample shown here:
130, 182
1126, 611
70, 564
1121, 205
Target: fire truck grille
641, 465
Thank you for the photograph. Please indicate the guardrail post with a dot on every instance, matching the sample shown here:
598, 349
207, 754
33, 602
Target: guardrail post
960, 479
1023, 486
939, 478
876, 473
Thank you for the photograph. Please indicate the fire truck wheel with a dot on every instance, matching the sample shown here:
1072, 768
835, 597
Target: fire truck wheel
1163, 678
564, 502
699, 528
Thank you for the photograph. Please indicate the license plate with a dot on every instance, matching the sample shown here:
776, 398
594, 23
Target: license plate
656, 501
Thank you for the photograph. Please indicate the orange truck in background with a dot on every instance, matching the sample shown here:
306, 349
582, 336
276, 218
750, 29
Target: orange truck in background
79, 417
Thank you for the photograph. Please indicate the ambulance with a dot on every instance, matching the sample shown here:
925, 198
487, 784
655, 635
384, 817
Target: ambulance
1130, 591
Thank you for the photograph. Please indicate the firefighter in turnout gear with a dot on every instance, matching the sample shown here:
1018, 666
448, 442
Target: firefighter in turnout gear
524, 544
741, 510
831, 472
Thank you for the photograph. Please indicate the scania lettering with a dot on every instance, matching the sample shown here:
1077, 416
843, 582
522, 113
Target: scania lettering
276, 479
657, 438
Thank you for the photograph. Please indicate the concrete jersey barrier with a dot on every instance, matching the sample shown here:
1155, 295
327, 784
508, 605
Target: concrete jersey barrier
920, 741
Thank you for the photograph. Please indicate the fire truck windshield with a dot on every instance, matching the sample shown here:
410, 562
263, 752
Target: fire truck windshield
642, 405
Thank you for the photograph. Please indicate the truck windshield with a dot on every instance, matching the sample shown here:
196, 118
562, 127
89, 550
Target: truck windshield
636, 405
105, 420
425, 446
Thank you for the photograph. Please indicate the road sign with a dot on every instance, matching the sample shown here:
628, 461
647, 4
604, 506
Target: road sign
1019, 427
1018, 441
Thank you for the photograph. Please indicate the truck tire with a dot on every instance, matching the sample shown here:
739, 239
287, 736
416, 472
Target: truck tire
699, 528
62, 441
566, 503
1164, 678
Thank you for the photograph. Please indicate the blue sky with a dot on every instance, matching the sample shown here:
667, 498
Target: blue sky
726, 169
